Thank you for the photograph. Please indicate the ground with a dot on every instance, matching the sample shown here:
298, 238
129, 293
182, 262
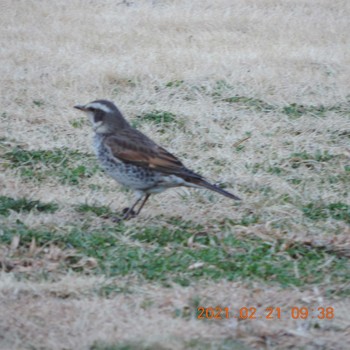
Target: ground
254, 95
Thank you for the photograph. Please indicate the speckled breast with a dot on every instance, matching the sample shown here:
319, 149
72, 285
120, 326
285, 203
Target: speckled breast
128, 175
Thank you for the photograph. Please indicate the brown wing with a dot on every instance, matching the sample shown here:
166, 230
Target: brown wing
133, 147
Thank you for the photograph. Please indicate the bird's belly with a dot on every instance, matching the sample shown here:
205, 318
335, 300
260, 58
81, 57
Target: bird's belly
132, 176
139, 178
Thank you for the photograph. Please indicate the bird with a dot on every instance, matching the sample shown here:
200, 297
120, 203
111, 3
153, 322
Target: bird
134, 160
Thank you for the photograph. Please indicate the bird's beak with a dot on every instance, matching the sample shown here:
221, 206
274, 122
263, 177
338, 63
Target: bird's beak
80, 107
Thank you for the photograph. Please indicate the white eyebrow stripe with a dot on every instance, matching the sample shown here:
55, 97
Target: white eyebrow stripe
101, 106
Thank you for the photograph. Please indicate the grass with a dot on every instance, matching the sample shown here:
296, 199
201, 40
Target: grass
249, 103
292, 110
78, 123
96, 209
23, 204
195, 343
175, 83
162, 119
158, 117
69, 167
319, 211
122, 346
164, 254
264, 111
318, 156
39, 103
295, 110
284, 167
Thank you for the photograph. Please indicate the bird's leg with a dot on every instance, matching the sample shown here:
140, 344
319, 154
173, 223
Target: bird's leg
142, 204
130, 211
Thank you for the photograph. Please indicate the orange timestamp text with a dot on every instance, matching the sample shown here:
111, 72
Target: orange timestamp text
268, 313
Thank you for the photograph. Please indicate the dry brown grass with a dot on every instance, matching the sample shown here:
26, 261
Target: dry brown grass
57, 54
67, 317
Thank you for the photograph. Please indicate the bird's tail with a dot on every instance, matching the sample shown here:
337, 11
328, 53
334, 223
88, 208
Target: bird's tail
209, 186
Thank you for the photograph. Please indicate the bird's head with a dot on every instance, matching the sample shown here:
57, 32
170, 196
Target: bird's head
104, 116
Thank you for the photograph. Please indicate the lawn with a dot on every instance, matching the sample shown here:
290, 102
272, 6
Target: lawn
254, 95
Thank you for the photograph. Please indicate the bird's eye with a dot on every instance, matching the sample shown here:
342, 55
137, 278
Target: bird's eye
92, 109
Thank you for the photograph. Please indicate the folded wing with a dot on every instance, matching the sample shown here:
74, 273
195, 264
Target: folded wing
136, 148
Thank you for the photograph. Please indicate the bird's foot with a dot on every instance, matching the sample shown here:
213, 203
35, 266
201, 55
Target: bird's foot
117, 219
125, 215
128, 213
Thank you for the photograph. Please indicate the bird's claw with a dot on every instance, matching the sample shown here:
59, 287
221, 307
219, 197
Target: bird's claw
125, 215
128, 214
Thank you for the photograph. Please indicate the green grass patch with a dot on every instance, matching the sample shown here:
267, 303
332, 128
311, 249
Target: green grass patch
70, 167
219, 90
318, 156
134, 345
158, 117
174, 83
274, 169
295, 180
168, 253
78, 123
294, 110
23, 204
342, 177
98, 210
193, 344
38, 103
249, 103
318, 211
163, 119
298, 159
